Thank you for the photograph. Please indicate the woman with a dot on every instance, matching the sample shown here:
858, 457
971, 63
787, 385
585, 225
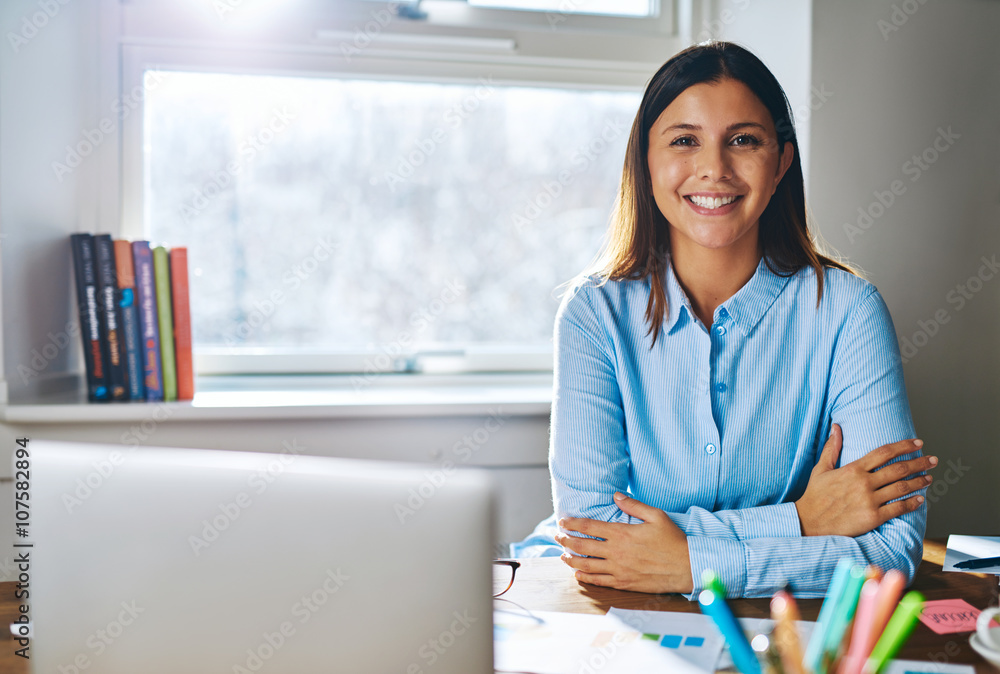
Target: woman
701, 368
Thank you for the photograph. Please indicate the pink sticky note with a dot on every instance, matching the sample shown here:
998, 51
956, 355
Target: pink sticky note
946, 616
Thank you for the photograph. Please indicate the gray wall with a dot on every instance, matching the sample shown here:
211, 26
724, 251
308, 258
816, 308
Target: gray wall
894, 92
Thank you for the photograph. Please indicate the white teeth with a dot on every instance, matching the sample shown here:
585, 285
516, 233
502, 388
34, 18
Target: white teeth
710, 202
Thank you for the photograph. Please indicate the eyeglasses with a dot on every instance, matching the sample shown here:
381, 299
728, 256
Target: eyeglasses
503, 575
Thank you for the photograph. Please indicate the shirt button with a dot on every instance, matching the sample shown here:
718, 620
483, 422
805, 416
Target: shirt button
720, 330
710, 448
720, 387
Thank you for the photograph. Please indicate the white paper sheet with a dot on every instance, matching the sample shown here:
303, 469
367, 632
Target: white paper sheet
693, 636
962, 548
546, 642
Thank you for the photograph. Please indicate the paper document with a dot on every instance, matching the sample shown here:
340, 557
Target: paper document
915, 667
545, 642
963, 548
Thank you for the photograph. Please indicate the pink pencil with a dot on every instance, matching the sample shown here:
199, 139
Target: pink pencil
863, 637
889, 592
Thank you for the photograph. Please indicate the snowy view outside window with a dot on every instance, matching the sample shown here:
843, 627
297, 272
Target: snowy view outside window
339, 214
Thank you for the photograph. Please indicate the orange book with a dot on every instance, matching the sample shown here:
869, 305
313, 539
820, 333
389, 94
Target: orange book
182, 323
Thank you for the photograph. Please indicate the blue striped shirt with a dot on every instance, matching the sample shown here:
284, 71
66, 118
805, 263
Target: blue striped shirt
721, 427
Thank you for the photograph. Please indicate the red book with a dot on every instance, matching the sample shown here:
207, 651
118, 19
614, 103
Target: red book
182, 323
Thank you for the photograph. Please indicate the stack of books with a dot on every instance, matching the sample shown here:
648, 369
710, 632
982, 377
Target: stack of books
135, 318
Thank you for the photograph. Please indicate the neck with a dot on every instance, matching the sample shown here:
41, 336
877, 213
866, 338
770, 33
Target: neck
710, 277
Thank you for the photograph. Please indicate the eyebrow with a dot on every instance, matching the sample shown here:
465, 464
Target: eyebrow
731, 127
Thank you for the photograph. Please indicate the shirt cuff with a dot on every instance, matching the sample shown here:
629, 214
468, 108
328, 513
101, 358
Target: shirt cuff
727, 558
772, 521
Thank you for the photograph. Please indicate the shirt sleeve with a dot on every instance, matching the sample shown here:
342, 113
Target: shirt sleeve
868, 399
589, 455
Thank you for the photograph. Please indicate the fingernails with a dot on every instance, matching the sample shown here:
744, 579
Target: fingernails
918, 443
619, 496
561, 523
933, 461
920, 499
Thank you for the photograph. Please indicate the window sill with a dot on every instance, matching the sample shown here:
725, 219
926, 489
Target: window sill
309, 397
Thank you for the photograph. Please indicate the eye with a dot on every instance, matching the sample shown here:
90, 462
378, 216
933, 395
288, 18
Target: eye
746, 140
683, 141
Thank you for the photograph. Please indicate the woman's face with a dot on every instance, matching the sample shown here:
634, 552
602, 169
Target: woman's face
714, 161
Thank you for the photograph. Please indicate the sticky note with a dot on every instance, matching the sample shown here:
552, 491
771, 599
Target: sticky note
946, 616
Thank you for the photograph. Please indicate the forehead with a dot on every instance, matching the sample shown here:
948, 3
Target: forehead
715, 105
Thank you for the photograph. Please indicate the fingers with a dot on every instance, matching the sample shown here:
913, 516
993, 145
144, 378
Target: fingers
886, 453
586, 564
901, 470
902, 488
594, 528
581, 546
631, 506
897, 508
831, 450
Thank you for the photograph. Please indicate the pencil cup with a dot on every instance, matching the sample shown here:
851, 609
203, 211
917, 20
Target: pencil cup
988, 629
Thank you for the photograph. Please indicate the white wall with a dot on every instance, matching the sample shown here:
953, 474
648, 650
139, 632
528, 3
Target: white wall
892, 93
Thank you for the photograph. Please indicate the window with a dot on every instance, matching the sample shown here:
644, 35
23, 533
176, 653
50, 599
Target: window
341, 214
422, 195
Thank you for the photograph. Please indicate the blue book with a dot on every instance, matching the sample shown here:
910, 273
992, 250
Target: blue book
145, 283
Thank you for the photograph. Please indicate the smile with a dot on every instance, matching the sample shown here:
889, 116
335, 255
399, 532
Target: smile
711, 203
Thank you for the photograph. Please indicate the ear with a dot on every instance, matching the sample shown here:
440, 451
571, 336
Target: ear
784, 161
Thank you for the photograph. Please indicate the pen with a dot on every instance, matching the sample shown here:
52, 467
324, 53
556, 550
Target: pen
862, 637
814, 651
978, 563
903, 620
714, 606
711, 581
785, 614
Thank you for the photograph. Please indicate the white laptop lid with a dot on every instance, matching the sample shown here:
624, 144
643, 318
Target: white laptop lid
177, 560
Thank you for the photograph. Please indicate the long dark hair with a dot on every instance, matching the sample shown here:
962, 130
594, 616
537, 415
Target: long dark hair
639, 239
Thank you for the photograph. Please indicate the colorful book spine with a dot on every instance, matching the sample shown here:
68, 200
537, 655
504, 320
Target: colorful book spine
182, 322
85, 270
110, 317
161, 269
145, 284
128, 305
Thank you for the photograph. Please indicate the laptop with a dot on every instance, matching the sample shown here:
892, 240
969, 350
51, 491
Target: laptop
160, 560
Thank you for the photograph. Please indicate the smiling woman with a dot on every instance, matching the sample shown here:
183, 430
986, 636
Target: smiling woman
714, 369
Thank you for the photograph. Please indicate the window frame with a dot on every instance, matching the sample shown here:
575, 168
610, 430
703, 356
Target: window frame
447, 62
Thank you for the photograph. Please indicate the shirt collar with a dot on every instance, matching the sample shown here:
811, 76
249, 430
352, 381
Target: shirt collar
746, 307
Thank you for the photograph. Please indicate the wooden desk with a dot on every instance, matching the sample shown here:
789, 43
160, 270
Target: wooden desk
548, 585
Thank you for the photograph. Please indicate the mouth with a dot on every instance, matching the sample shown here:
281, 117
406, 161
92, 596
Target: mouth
712, 203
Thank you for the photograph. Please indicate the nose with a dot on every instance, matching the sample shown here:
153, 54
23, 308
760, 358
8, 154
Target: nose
713, 163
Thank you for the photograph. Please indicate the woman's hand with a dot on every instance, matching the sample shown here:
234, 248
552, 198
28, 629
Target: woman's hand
647, 557
853, 499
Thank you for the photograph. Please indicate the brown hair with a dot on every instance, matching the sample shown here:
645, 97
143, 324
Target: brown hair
638, 239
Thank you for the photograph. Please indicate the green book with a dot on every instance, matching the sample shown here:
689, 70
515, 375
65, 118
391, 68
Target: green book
164, 309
